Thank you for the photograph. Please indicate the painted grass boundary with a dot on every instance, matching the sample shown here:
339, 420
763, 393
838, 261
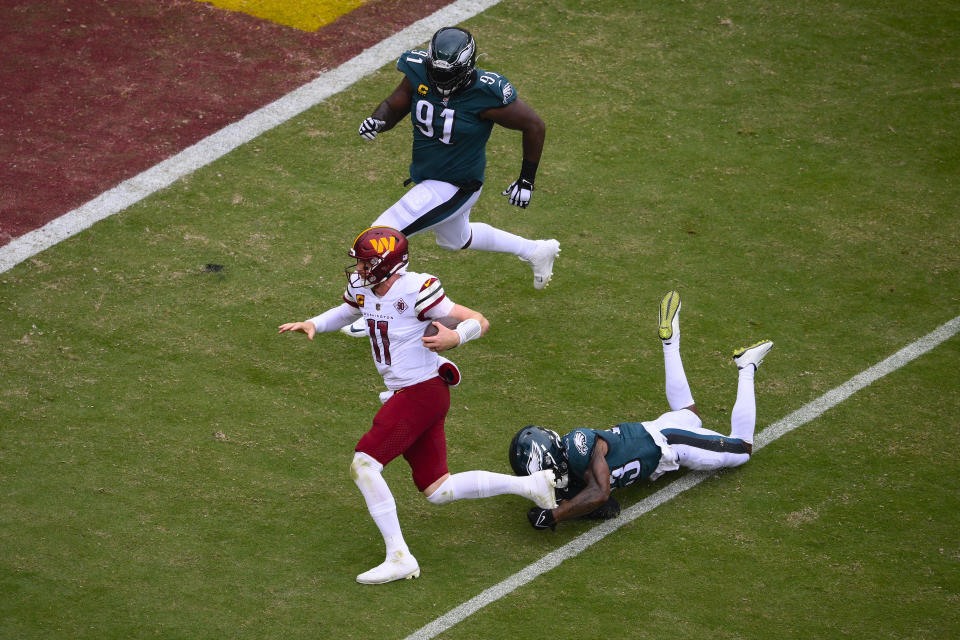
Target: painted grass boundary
222, 142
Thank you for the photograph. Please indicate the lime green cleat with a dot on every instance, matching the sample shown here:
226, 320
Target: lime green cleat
752, 355
670, 316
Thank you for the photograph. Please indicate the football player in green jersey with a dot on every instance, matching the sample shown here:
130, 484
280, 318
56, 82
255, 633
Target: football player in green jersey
453, 106
589, 463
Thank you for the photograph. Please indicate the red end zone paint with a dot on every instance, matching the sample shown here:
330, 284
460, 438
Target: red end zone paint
94, 93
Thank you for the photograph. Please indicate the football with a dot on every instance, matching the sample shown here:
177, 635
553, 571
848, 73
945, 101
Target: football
448, 321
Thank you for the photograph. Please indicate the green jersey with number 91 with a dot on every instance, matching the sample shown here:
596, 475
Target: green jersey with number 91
632, 453
449, 136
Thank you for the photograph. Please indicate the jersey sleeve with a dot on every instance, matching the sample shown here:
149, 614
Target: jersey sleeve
333, 319
579, 445
413, 65
497, 91
350, 299
432, 302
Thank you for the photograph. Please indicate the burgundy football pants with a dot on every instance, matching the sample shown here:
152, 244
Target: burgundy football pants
411, 423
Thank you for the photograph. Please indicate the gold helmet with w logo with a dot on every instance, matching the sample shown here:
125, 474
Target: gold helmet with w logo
383, 252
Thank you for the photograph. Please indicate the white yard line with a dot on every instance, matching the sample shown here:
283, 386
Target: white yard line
798, 418
232, 136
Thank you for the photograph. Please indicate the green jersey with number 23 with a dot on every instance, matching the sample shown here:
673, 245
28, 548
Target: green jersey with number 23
632, 454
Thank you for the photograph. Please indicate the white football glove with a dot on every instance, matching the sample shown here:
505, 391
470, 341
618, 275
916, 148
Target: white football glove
519, 192
370, 127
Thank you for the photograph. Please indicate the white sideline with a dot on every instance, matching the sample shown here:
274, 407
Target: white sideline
798, 418
222, 142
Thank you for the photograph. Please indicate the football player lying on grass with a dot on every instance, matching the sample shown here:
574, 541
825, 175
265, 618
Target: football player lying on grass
589, 463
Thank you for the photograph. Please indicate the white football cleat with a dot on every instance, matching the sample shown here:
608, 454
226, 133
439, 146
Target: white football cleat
401, 566
752, 355
542, 262
356, 330
541, 489
669, 316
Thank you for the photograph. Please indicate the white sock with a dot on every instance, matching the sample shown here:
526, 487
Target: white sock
380, 503
487, 238
478, 484
385, 516
677, 388
743, 418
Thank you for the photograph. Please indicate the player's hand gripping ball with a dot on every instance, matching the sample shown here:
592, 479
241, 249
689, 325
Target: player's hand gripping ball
448, 321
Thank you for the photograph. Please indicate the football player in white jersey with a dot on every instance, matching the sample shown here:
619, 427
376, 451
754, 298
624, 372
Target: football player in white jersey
396, 306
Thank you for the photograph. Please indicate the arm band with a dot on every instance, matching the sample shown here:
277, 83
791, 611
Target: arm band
528, 170
469, 329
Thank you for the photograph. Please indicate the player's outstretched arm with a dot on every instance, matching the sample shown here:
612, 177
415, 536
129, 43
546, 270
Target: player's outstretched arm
329, 320
303, 327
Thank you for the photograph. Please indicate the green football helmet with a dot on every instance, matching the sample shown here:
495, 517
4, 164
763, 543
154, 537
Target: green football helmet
451, 58
536, 448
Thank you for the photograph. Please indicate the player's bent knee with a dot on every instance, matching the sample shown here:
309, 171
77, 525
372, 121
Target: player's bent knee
448, 245
443, 494
363, 465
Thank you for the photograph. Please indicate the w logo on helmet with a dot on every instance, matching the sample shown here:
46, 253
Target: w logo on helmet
383, 245
380, 252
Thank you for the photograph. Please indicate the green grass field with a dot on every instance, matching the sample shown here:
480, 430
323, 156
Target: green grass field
171, 468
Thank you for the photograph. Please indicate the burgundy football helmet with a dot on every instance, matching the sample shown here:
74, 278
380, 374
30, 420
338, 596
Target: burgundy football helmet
385, 251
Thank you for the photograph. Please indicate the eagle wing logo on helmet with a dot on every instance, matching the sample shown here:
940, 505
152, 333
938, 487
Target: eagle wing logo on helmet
536, 448
535, 461
451, 59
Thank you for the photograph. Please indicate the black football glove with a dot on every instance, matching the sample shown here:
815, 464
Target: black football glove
541, 518
609, 509
370, 127
519, 192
